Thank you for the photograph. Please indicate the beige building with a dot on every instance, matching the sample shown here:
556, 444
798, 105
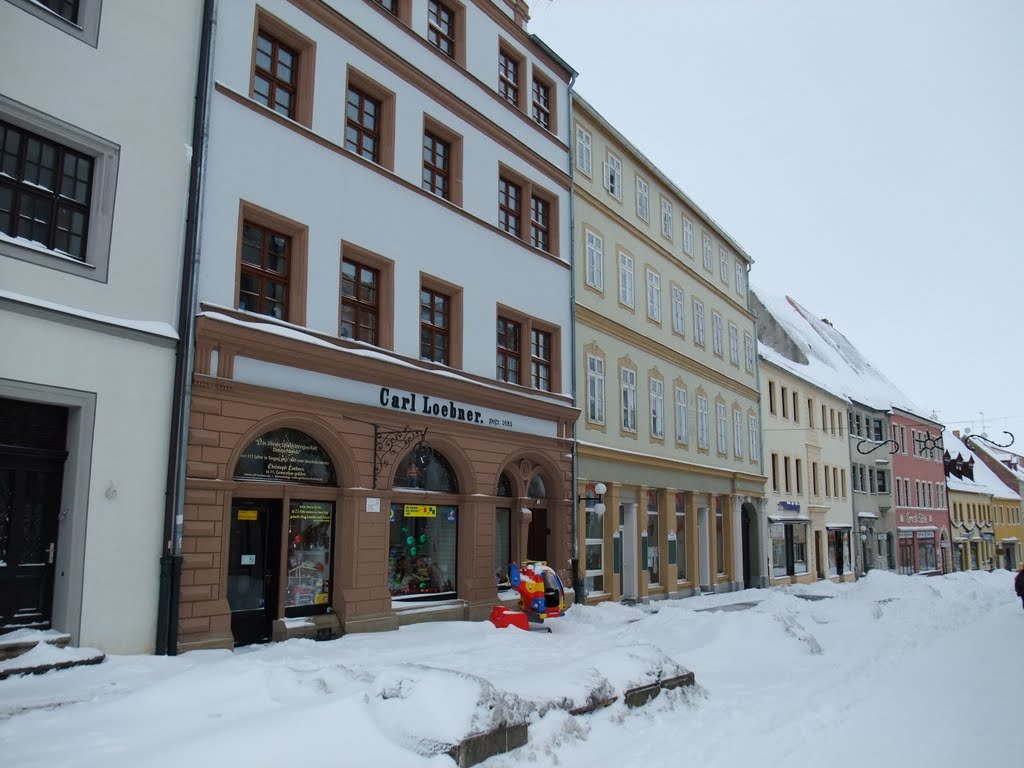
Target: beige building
666, 376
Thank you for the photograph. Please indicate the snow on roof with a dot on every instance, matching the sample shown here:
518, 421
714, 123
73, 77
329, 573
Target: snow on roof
834, 364
985, 480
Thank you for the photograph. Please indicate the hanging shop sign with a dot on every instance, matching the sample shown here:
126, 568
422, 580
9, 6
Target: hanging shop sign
434, 405
285, 455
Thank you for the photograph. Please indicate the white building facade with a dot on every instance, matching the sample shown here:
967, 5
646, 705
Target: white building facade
94, 172
381, 417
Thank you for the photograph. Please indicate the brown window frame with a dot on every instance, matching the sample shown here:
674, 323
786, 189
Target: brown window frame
437, 35
511, 91
370, 89
510, 211
304, 50
529, 327
385, 269
364, 299
298, 234
454, 141
454, 330
401, 10
359, 125
509, 352
274, 77
541, 363
529, 192
24, 191
540, 223
535, 107
262, 274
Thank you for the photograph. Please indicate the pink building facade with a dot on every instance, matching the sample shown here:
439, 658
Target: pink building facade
919, 495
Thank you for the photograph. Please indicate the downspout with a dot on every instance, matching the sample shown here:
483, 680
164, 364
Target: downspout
170, 558
762, 556
578, 584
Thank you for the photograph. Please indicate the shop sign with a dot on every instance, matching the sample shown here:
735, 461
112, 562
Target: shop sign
419, 510
285, 455
248, 514
790, 506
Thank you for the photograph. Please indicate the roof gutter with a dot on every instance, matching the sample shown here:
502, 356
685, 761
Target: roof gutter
170, 558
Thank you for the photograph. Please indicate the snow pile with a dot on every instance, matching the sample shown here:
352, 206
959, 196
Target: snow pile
787, 681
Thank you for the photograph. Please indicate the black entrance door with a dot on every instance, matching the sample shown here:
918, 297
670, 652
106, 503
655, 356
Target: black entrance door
746, 542
253, 567
32, 454
537, 538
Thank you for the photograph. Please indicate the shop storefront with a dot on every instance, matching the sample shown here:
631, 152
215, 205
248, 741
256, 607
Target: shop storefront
789, 548
840, 563
312, 516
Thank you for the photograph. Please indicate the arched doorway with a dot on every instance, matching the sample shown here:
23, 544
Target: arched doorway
748, 543
538, 537
423, 528
503, 531
263, 583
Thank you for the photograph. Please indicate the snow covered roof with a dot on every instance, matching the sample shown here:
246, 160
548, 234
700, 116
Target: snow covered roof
985, 480
833, 363
1003, 456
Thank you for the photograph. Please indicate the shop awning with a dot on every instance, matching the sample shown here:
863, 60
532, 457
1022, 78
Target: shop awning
788, 519
1010, 540
918, 528
872, 515
830, 526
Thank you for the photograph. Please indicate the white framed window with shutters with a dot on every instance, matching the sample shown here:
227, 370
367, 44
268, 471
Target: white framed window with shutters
734, 344
698, 322
643, 199
584, 158
717, 341
709, 255
595, 259
741, 279
628, 378
613, 175
755, 443
687, 237
595, 389
682, 427
666, 218
737, 433
721, 428
626, 290
724, 265
654, 295
657, 408
678, 311
703, 437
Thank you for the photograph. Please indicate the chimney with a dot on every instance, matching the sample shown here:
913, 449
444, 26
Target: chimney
827, 322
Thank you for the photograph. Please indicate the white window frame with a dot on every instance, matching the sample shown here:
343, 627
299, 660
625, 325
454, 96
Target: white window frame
698, 322
724, 262
666, 219
657, 408
721, 428
627, 377
687, 237
682, 428
741, 275
703, 438
653, 295
595, 259
678, 310
734, 344
589, 542
737, 433
717, 334
595, 389
748, 348
755, 448
584, 152
709, 253
627, 290
643, 199
613, 175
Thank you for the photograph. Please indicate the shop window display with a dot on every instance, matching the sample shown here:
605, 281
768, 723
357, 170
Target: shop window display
309, 556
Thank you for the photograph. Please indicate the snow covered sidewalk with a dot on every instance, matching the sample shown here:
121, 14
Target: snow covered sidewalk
921, 671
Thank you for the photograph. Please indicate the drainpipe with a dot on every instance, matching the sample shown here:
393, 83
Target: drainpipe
762, 555
170, 558
578, 585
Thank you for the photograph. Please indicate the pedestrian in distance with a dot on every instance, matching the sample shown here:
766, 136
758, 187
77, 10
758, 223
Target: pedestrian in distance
1018, 585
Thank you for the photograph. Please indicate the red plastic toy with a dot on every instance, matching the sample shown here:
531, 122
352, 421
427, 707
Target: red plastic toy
541, 596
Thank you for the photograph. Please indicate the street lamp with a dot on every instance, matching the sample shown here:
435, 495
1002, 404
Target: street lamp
600, 489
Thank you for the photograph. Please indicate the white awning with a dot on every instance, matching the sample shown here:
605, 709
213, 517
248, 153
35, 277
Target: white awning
872, 515
790, 519
830, 526
918, 528
1010, 540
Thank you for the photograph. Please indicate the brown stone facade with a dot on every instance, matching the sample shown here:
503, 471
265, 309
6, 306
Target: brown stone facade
227, 414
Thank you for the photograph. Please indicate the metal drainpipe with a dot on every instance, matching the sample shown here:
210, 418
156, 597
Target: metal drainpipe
170, 559
762, 557
578, 586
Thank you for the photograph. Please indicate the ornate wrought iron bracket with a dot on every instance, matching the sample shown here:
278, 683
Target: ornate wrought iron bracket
388, 443
894, 449
968, 438
928, 442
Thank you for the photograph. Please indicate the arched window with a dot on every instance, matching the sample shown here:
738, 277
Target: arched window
426, 470
504, 486
286, 455
537, 489
503, 532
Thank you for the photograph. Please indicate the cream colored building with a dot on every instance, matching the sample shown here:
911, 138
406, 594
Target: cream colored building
666, 376
809, 504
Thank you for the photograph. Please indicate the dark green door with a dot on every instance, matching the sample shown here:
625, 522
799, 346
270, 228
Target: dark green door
253, 567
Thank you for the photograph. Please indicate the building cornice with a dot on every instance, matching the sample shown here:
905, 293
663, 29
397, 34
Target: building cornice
590, 451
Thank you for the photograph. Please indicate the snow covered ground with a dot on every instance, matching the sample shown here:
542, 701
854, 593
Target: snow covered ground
892, 670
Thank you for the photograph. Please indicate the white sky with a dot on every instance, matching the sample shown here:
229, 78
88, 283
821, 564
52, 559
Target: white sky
868, 155
887, 672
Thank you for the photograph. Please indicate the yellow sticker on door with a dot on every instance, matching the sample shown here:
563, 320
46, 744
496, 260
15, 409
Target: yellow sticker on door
420, 510
247, 514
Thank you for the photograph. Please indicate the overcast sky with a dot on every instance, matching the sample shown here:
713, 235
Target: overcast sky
867, 154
